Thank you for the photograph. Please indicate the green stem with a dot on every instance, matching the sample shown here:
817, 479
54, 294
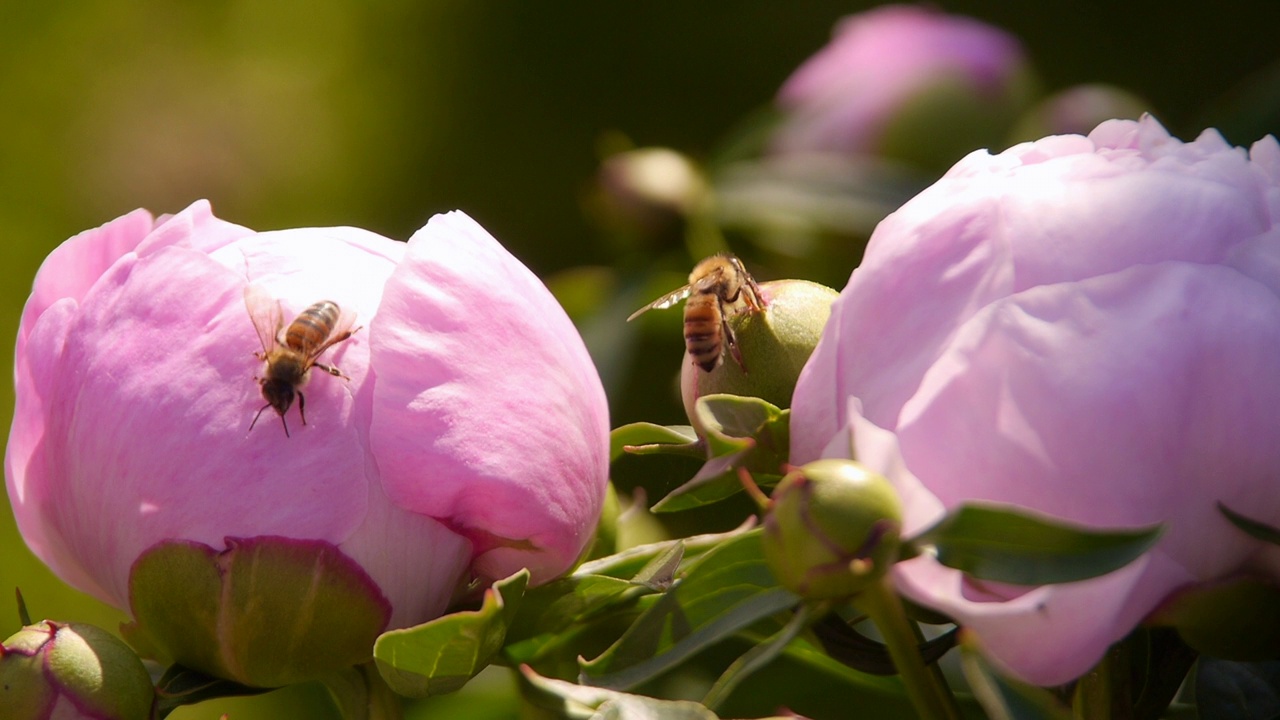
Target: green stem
1102, 692
931, 697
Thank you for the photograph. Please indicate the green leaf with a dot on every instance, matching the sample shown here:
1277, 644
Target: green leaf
726, 590
442, 655
1253, 528
567, 700
756, 658
729, 419
628, 563
741, 432
1003, 698
1013, 546
644, 438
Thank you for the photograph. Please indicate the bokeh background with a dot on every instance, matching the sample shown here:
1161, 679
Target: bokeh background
381, 114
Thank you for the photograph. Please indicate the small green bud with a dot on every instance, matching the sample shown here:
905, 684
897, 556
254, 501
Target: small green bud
832, 528
54, 669
774, 344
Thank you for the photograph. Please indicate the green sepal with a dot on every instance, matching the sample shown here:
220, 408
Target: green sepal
742, 432
723, 592
643, 438
265, 612
1001, 544
440, 656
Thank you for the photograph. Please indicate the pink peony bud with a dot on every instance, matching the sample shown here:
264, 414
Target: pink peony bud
908, 82
468, 438
1088, 327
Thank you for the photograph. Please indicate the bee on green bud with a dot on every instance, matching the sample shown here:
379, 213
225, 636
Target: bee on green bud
770, 346
54, 670
832, 528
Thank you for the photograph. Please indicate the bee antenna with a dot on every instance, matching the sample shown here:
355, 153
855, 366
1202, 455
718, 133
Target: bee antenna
255, 417
286, 426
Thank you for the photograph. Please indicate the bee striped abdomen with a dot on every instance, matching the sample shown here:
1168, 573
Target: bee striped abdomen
702, 331
313, 326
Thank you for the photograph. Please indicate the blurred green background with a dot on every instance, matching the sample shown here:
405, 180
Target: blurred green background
381, 114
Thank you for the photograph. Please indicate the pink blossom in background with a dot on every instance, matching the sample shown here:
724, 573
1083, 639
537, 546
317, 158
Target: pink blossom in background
470, 440
849, 95
1087, 327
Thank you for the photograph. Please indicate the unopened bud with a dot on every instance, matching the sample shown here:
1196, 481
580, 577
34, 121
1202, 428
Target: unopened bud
774, 345
71, 670
832, 528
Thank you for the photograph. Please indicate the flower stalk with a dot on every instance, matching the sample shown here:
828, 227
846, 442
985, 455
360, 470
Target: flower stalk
925, 687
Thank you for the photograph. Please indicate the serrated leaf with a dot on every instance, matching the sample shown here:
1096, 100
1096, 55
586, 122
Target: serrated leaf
643, 438
1253, 528
727, 589
1003, 698
1008, 545
442, 655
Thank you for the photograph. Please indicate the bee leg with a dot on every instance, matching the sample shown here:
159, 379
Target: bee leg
754, 298
302, 407
732, 342
255, 417
331, 370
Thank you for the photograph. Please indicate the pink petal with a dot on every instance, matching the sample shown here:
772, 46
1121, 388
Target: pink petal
488, 413
141, 428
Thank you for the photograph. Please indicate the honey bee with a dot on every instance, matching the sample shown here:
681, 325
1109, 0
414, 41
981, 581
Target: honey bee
290, 353
716, 287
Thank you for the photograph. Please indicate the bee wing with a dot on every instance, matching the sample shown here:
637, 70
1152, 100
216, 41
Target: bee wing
346, 318
265, 312
664, 302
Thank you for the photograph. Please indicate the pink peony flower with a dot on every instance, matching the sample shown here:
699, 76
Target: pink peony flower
902, 79
1087, 327
470, 440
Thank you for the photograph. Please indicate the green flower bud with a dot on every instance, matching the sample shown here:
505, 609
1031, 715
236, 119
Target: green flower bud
832, 528
774, 345
53, 670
